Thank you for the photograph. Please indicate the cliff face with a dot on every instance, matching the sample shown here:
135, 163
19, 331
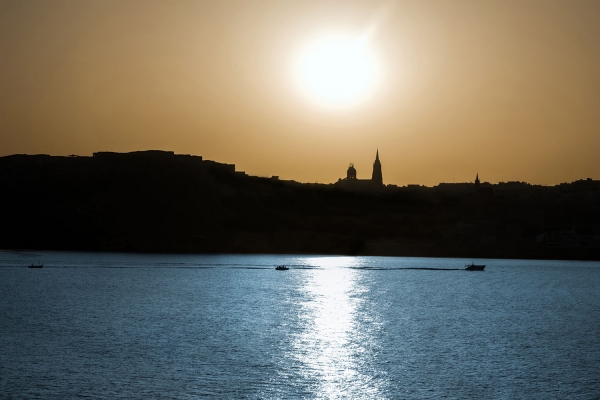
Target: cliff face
185, 204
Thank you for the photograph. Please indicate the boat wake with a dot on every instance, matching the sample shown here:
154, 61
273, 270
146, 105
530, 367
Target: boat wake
409, 268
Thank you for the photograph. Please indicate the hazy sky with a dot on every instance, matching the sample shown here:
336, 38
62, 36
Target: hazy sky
508, 89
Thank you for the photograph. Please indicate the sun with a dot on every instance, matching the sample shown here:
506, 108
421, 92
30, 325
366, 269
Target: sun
337, 71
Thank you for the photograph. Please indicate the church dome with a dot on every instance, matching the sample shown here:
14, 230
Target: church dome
351, 174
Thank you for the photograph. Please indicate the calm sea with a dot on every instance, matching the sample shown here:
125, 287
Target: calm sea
128, 326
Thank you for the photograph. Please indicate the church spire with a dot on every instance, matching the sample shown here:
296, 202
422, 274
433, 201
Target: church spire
377, 177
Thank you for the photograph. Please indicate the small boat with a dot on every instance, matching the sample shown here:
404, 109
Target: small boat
36, 266
474, 267
281, 268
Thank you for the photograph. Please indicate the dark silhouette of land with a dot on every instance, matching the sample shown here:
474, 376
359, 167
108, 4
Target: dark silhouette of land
158, 201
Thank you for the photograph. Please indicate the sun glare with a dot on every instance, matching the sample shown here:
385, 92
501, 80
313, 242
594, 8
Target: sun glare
337, 71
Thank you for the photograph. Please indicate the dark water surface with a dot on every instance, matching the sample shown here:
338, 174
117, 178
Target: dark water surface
168, 326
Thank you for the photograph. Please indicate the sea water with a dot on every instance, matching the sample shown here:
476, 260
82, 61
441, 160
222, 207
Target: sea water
229, 326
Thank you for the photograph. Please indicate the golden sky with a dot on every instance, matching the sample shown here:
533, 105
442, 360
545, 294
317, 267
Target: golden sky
506, 89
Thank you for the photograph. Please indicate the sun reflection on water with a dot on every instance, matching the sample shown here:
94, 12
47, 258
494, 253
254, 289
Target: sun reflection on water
330, 347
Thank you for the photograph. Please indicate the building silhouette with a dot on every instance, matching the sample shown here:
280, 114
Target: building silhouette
353, 183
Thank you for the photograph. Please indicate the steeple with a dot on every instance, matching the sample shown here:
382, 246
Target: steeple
477, 180
377, 177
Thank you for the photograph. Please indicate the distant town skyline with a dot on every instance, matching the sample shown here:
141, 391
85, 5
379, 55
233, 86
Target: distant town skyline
444, 89
352, 182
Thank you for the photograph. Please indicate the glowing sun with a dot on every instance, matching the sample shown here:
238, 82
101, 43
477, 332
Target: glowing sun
337, 71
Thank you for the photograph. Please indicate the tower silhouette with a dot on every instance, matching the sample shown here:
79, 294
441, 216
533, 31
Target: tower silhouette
377, 178
477, 180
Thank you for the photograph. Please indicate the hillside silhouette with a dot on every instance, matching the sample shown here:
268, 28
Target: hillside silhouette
158, 201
